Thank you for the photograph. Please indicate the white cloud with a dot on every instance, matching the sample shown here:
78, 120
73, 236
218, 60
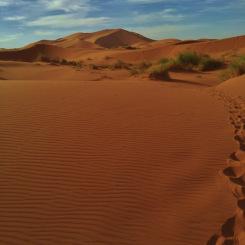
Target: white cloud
152, 1
8, 38
43, 33
167, 15
5, 2
165, 31
67, 21
145, 1
67, 5
14, 18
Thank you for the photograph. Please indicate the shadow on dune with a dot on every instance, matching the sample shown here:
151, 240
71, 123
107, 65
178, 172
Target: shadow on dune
188, 82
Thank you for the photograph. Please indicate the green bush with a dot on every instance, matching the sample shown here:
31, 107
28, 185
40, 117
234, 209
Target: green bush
207, 63
235, 68
134, 72
144, 65
163, 61
188, 61
119, 64
188, 58
139, 68
159, 72
93, 67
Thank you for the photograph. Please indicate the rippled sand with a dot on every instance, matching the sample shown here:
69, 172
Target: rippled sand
111, 162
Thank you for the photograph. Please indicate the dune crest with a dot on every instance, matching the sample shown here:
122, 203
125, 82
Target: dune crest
121, 44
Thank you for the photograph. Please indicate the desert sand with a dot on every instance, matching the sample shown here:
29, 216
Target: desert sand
98, 156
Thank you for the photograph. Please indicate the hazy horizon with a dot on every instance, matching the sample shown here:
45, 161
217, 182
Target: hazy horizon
26, 21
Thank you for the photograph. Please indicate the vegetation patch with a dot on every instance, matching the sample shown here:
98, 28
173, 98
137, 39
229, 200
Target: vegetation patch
189, 61
235, 68
208, 64
159, 72
119, 64
57, 61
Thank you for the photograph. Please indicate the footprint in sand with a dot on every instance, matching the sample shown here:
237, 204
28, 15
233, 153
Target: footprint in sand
233, 230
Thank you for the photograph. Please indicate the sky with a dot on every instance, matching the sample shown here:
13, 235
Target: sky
26, 21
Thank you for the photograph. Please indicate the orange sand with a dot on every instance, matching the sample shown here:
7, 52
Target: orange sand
93, 155
112, 162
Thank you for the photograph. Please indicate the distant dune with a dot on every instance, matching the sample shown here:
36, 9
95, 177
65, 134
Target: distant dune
120, 44
112, 38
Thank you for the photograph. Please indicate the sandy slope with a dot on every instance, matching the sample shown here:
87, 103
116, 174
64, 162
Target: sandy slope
12, 70
232, 92
216, 48
233, 87
111, 162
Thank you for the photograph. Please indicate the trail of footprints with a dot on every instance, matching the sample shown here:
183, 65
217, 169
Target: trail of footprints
233, 230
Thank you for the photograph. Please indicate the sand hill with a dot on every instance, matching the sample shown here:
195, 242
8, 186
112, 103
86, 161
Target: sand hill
234, 87
120, 44
111, 38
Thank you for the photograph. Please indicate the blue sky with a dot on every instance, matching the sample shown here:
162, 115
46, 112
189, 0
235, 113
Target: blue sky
25, 21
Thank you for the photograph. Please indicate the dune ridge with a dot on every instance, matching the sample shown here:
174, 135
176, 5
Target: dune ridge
121, 44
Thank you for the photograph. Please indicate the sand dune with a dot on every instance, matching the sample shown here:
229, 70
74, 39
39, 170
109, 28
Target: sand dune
137, 165
34, 53
216, 48
114, 43
234, 87
75, 45
111, 38
93, 155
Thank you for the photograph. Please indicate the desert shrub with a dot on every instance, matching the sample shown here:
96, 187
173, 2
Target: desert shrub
71, 63
144, 65
139, 68
188, 59
207, 63
43, 58
129, 47
134, 71
159, 72
225, 75
80, 64
93, 67
55, 61
64, 62
119, 64
235, 68
163, 61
